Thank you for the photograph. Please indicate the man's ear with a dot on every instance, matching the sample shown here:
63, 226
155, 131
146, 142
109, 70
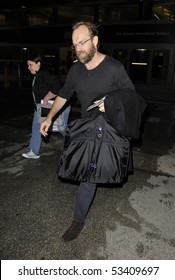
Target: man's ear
95, 40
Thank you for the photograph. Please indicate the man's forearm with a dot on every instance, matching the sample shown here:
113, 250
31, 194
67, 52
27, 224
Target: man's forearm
57, 105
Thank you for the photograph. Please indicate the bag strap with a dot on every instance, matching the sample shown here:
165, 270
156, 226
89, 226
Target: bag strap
34, 98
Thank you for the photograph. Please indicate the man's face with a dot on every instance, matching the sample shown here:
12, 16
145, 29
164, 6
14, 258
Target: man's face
84, 44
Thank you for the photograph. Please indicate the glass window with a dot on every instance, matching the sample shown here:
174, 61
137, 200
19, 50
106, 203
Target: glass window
68, 14
71, 14
2, 19
41, 16
114, 13
138, 69
8, 18
61, 15
9, 74
121, 55
10, 53
160, 65
165, 11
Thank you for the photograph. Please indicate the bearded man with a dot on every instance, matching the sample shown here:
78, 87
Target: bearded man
93, 75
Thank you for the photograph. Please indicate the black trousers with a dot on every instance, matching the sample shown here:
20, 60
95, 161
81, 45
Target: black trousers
84, 199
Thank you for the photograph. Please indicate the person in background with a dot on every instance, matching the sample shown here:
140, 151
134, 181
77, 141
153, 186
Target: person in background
91, 76
45, 86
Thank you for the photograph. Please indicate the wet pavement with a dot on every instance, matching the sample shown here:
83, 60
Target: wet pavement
135, 220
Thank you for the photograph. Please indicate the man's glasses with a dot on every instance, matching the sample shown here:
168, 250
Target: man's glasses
80, 44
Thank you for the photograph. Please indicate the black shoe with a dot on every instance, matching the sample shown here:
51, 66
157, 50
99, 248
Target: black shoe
73, 231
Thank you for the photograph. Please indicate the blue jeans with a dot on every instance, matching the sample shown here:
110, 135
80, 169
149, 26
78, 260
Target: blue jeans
66, 113
36, 138
85, 197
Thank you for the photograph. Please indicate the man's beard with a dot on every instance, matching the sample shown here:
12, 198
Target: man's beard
86, 57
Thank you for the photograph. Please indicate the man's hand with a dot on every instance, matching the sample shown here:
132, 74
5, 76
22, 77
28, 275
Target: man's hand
100, 104
101, 107
57, 105
44, 127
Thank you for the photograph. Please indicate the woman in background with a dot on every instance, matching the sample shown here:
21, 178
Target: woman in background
45, 86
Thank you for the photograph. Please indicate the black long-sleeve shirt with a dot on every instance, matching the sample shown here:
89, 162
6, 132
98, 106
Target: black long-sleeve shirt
44, 82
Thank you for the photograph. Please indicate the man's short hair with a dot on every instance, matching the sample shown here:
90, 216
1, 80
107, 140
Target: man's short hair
91, 27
